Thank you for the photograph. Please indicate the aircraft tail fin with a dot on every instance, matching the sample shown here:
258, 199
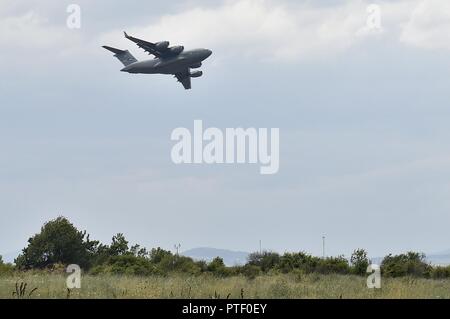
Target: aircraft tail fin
123, 56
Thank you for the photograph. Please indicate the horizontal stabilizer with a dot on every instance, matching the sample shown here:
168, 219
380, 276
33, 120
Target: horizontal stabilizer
123, 56
113, 50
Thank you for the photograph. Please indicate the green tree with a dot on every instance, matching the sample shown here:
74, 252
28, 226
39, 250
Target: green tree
266, 260
139, 251
59, 242
359, 262
158, 254
119, 246
216, 264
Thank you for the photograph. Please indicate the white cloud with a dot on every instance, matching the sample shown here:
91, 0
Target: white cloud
261, 28
265, 29
286, 32
31, 35
29, 31
429, 25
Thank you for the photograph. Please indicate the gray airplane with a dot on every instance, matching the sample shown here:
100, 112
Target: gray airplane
168, 60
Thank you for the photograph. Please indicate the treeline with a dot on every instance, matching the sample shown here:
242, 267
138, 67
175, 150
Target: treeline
59, 244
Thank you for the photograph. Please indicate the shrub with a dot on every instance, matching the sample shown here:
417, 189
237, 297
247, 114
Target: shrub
300, 261
180, 264
202, 265
218, 268
359, 262
333, 265
266, 260
59, 243
409, 264
5, 269
440, 272
128, 265
306, 263
250, 271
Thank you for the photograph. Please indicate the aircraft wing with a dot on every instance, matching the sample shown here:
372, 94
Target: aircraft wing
184, 78
147, 46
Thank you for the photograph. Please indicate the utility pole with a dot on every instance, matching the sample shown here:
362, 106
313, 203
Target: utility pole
177, 248
260, 247
323, 247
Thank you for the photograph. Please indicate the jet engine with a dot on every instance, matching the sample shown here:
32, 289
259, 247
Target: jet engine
176, 50
196, 74
162, 46
196, 65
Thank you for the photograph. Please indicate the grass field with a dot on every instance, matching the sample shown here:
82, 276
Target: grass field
178, 286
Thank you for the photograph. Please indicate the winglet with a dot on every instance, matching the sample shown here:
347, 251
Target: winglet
126, 35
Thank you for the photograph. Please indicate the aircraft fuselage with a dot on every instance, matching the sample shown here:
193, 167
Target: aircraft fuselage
170, 65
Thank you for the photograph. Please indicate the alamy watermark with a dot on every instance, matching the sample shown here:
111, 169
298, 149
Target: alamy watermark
74, 19
232, 146
374, 279
73, 281
374, 17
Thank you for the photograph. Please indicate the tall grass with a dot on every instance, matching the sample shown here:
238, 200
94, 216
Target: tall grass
290, 286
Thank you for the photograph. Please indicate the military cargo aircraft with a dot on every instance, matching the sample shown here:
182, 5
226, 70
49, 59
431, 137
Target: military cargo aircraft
167, 60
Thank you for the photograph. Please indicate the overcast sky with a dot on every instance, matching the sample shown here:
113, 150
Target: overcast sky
363, 117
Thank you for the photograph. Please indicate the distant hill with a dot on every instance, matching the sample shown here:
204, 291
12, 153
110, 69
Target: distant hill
230, 258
